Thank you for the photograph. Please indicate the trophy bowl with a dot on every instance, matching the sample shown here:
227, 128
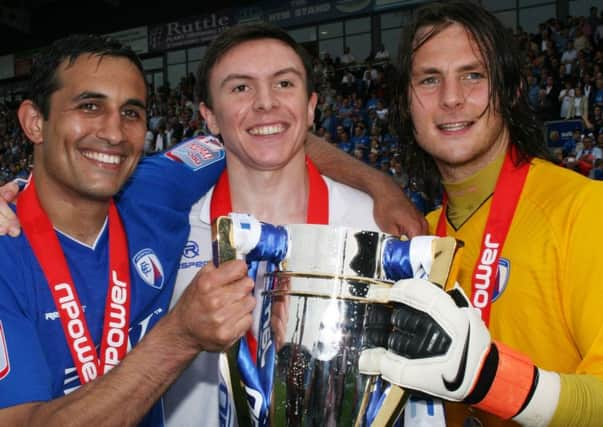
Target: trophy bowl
320, 306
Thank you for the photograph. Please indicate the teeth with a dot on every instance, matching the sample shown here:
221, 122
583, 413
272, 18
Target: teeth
454, 126
111, 159
267, 130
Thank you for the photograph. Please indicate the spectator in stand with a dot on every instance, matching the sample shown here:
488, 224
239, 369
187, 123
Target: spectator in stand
570, 145
569, 56
588, 86
384, 166
329, 121
360, 153
348, 82
533, 90
581, 41
552, 92
344, 114
382, 54
347, 58
373, 157
597, 120
371, 102
149, 142
597, 170
579, 108
154, 118
382, 111
161, 138
591, 23
338, 132
344, 142
360, 137
585, 158
566, 98
598, 34
369, 77
600, 143
597, 98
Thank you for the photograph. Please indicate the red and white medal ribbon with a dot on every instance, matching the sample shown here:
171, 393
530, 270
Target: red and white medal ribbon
45, 244
504, 202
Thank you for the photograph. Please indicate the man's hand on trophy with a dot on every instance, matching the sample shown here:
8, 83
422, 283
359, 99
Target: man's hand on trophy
216, 308
439, 345
434, 346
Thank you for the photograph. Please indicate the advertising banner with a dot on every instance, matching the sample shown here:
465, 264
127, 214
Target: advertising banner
189, 31
558, 132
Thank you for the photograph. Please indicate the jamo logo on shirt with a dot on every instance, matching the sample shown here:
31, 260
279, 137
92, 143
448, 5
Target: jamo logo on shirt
76, 330
116, 335
485, 273
84, 351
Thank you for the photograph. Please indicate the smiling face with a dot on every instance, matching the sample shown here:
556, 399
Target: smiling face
451, 105
93, 136
260, 104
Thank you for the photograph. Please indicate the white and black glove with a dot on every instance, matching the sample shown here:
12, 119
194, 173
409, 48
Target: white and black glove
439, 345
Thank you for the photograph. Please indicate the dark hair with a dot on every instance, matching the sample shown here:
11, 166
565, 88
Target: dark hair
237, 35
506, 82
44, 80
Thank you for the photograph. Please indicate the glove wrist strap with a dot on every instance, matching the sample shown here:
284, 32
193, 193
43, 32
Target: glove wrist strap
512, 384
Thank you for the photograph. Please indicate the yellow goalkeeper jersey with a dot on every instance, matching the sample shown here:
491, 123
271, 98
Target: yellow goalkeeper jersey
548, 299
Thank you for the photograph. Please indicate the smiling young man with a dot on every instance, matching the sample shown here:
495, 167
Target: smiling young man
256, 94
530, 349
156, 189
92, 277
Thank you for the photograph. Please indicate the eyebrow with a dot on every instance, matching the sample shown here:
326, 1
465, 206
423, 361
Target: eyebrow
249, 77
467, 67
97, 95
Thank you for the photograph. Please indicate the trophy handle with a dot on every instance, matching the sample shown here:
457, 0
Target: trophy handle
446, 263
224, 250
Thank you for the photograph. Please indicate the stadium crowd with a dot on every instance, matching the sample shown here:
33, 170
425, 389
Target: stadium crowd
564, 76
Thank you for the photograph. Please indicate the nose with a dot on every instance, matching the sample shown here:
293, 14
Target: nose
111, 128
452, 93
265, 98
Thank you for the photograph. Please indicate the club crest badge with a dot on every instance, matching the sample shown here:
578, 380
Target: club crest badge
502, 278
149, 268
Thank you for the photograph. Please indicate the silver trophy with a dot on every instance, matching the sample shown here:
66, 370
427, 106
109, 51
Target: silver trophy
322, 304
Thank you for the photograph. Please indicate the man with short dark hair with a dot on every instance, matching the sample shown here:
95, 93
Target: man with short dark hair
87, 280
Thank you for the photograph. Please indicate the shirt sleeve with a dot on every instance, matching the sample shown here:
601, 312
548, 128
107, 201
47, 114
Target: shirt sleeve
581, 290
24, 371
178, 177
580, 394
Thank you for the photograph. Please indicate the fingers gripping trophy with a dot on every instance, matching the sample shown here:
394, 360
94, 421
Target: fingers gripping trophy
325, 320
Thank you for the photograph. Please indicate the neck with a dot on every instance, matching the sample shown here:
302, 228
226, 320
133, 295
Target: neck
275, 196
466, 196
77, 216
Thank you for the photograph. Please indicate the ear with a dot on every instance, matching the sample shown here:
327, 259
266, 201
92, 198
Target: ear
311, 108
31, 120
209, 118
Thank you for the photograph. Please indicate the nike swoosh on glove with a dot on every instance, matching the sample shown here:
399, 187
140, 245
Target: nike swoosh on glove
439, 345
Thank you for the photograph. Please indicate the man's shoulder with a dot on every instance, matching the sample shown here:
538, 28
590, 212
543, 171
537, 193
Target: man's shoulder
559, 186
